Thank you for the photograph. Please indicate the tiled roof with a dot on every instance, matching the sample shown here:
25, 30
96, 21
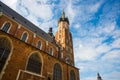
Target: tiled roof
20, 19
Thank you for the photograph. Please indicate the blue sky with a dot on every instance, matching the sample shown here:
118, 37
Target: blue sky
95, 26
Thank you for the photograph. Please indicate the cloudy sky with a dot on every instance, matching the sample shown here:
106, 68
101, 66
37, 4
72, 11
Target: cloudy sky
95, 26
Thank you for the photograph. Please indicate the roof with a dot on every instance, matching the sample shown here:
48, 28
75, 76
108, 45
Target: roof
20, 19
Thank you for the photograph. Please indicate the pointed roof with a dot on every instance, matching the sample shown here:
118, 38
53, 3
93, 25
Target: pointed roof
63, 14
63, 18
98, 76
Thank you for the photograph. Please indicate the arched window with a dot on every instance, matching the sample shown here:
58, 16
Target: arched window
34, 64
24, 37
39, 45
50, 51
72, 75
5, 48
57, 72
6, 27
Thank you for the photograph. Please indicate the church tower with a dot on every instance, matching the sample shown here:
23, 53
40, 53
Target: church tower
64, 39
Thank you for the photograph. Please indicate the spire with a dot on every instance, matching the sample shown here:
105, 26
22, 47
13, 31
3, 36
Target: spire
99, 77
63, 18
63, 14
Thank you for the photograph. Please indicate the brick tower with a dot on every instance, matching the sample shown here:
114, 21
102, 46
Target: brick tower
64, 39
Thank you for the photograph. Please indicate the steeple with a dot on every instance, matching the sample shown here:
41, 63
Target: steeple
64, 38
63, 15
99, 77
63, 18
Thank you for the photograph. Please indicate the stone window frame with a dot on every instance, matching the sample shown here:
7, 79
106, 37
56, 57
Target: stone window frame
55, 71
72, 75
51, 50
41, 66
25, 32
4, 26
9, 56
39, 46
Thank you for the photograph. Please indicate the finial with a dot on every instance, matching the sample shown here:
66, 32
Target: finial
63, 14
98, 76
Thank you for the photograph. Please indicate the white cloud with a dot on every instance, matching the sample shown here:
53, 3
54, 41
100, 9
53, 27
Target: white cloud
112, 56
43, 11
70, 11
11, 3
89, 48
94, 8
115, 75
33, 19
43, 1
116, 43
46, 25
107, 28
90, 78
76, 26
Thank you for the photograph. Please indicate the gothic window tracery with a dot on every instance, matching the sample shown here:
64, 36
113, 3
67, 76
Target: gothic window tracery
34, 64
5, 48
57, 72
72, 75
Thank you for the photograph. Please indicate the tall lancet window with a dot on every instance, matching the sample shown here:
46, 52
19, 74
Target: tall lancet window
5, 48
57, 72
34, 63
72, 75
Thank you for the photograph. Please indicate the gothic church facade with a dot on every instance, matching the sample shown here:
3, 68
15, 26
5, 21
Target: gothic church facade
29, 53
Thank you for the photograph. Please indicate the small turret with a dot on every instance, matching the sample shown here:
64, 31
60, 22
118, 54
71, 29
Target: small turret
50, 32
52, 35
